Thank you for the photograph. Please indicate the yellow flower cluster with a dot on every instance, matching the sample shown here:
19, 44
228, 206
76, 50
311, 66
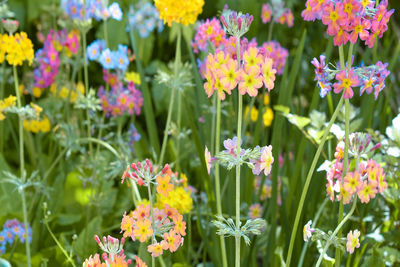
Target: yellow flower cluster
5, 103
178, 198
132, 77
180, 11
268, 115
64, 92
38, 125
16, 48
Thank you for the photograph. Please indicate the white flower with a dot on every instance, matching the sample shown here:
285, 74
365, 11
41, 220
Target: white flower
115, 11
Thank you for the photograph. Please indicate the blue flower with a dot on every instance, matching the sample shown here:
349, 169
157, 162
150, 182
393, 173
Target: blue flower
94, 49
122, 61
107, 59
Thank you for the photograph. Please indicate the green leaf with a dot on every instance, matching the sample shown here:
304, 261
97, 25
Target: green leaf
85, 243
67, 219
284, 109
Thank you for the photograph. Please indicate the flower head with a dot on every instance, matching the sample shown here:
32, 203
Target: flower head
352, 241
307, 231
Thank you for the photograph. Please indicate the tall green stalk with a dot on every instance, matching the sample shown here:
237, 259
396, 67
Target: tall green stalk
217, 180
239, 137
22, 168
171, 101
308, 181
86, 78
346, 143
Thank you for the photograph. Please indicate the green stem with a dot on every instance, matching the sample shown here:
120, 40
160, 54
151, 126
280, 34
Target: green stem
239, 137
171, 101
179, 130
22, 167
338, 228
308, 180
346, 144
271, 26
152, 219
217, 180
214, 102
56, 240
86, 78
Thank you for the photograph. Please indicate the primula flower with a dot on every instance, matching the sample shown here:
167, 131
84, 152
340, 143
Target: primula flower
307, 231
127, 225
352, 241
250, 81
352, 182
268, 73
264, 162
145, 17
180, 225
346, 82
163, 185
268, 116
367, 191
209, 31
266, 13
179, 11
252, 58
229, 75
155, 249
207, 156
255, 211
139, 262
359, 27
334, 17
141, 212
143, 230
171, 241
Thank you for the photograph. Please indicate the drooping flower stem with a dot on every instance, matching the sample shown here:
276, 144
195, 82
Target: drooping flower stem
308, 180
239, 139
86, 78
338, 228
217, 180
22, 168
152, 219
171, 101
346, 143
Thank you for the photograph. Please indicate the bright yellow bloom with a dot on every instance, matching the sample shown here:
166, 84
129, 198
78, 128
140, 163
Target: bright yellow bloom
18, 48
253, 113
179, 199
133, 77
143, 230
179, 11
6, 103
266, 99
268, 117
36, 91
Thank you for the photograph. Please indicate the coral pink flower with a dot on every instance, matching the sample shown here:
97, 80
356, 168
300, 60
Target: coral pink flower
367, 192
251, 81
359, 27
266, 13
341, 37
155, 249
268, 73
352, 241
171, 241
346, 82
334, 17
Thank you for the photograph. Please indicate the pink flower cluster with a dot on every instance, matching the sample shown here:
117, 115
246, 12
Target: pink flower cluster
368, 78
223, 73
209, 31
49, 56
277, 12
365, 181
140, 225
278, 54
348, 20
121, 99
